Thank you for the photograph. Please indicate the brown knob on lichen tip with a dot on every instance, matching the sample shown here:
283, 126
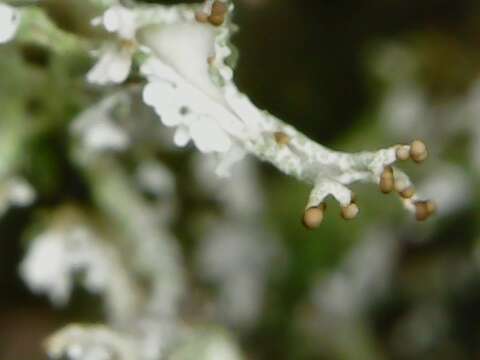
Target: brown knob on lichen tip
281, 138
402, 153
216, 20
313, 217
350, 212
387, 184
418, 151
219, 8
201, 16
408, 192
387, 180
424, 209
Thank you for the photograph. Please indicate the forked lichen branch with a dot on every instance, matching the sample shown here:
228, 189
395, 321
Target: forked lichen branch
270, 139
186, 55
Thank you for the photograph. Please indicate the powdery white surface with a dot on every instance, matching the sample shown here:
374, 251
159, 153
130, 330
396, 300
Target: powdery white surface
9, 22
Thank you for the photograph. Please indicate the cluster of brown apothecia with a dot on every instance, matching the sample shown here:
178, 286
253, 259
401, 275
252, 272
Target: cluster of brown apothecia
314, 216
416, 151
216, 16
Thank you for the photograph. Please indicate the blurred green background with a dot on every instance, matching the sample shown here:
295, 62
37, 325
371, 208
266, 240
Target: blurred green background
381, 286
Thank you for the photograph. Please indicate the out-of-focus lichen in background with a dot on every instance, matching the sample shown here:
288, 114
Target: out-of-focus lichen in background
104, 221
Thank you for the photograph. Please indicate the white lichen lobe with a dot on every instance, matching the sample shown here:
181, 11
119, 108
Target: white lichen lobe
188, 61
190, 86
9, 22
